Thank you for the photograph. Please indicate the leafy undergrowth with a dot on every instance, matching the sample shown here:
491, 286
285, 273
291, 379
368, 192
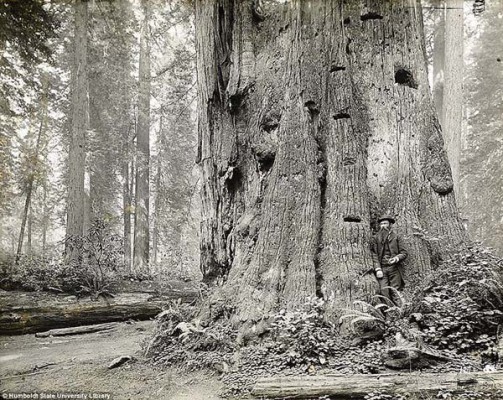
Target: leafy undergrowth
92, 271
457, 312
461, 307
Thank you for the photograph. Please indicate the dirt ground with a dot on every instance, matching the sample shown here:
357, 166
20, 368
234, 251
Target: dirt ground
79, 364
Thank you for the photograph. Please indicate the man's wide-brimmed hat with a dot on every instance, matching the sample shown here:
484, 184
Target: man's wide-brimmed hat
386, 218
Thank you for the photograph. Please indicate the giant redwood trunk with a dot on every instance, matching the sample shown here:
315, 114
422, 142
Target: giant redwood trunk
314, 118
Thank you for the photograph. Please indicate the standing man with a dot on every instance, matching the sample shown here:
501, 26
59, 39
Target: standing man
388, 247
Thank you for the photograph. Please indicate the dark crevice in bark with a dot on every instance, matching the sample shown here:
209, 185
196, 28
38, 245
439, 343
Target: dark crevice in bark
405, 77
348, 46
235, 102
347, 21
370, 15
335, 68
258, 12
349, 161
322, 179
223, 45
233, 180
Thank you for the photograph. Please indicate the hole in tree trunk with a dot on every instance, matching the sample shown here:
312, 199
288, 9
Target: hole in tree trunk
265, 161
352, 218
347, 21
270, 123
335, 68
404, 77
312, 108
341, 115
370, 15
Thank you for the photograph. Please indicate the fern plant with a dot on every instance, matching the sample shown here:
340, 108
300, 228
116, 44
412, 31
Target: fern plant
382, 311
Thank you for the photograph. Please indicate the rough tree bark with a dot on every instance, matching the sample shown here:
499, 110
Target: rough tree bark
452, 104
142, 190
314, 118
77, 150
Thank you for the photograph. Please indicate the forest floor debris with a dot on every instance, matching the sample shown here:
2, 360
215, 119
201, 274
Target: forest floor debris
452, 324
78, 364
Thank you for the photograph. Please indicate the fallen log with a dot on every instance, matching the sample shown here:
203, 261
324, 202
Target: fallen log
77, 330
22, 312
357, 386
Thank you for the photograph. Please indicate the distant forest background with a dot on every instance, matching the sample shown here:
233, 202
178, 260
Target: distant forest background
131, 65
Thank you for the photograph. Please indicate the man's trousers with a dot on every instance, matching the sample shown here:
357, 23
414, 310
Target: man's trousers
392, 277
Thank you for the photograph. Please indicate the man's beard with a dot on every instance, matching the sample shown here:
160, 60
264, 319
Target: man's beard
384, 228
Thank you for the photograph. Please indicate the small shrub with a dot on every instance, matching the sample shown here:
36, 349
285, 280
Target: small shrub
98, 261
303, 336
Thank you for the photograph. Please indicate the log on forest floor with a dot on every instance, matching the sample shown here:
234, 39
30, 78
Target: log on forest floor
357, 386
22, 312
77, 330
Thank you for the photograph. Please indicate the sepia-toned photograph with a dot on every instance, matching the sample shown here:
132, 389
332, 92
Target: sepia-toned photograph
251, 199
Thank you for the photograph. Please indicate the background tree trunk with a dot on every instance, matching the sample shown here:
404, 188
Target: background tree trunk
77, 150
157, 203
127, 207
142, 191
27, 213
452, 103
439, 57
30, 230
314, 118
481, 166
45, 217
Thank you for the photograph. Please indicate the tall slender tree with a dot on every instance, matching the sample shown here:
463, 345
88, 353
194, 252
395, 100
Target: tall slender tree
79, 125
142, 190
27, 215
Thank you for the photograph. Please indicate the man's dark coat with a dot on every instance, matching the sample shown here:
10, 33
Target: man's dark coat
395, 245
396, 249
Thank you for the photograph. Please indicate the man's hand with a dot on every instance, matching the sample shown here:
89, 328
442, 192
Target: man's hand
393, 260
379, 273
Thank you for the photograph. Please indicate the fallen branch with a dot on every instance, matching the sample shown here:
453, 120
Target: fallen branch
357, 386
